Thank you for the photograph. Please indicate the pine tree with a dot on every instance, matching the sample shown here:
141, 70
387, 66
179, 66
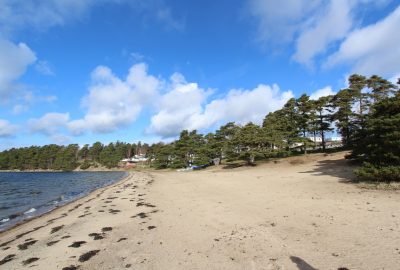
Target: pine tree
304, 107
381, 151
342, 103
323, 117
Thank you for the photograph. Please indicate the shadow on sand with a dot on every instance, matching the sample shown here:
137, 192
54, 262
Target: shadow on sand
341, 168
236, 165
301, 264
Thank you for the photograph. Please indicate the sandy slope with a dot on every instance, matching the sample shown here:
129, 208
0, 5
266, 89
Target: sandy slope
274, 216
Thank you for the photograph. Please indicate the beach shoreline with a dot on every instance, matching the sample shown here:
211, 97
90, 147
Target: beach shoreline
22, 222
273, 216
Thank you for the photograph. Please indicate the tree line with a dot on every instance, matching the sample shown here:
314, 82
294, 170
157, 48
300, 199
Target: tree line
366, 114
70, 157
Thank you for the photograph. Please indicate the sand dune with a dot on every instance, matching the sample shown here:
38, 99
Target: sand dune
297, 214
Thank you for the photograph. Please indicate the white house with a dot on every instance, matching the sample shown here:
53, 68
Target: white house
315, 139
334, 139
135, 159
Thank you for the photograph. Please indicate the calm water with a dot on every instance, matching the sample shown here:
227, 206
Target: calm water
25, 195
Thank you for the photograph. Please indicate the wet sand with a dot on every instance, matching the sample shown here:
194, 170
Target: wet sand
301, 213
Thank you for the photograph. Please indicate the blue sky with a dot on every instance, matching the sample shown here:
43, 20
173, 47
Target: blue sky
80, 71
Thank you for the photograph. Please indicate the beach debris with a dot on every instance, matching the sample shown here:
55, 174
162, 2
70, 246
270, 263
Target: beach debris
7, 258
25, 245
30, 260
151, 227
86, 256
121, 239
77, 244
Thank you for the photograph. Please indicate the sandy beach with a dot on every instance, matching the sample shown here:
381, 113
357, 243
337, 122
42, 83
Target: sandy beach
300, 213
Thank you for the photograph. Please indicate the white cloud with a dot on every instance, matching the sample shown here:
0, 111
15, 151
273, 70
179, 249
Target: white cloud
326, 91
313, 27
137, 57
179, 108
26, 99
183, 107
40, 15
113, 103
50, 124
244, 106
7, 129
374, 49
278, 23
44, 68
14, 60
331, 25
395, 79
44, 14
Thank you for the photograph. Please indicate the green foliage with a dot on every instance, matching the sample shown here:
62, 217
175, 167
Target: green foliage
321, 117
248, 143
379, 146
85, 165
64, 158
371, 173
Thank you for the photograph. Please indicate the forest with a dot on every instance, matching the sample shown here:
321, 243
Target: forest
366, 115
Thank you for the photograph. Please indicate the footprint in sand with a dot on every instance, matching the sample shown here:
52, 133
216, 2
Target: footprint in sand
88, 255
145, 204
49, 244
77, 244
25, 245
56, 229
7, 259
71, 267
141, 215
30, 260
106, 229
96, 236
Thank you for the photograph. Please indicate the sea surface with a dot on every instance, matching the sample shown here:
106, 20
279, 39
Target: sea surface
24, 195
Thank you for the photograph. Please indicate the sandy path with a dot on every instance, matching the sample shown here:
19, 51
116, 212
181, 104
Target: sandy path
275, 216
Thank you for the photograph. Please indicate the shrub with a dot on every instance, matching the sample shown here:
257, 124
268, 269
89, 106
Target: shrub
369, 172
85, 165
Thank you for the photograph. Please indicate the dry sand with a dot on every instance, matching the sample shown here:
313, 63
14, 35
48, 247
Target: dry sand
298, 214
